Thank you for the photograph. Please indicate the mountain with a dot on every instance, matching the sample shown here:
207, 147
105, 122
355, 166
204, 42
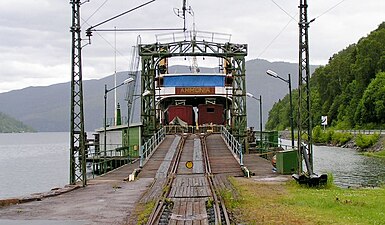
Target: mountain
10, 125
349, 90
47, 108
271, 89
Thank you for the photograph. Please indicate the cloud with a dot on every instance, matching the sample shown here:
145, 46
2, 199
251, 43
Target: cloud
35, 41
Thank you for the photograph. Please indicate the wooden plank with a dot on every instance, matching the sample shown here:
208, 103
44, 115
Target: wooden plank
189, 212
202, 205
197, 211
182, 212
174, 212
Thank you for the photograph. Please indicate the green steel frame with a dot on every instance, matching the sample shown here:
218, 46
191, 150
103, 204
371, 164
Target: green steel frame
151, 54
77, 136
304, 113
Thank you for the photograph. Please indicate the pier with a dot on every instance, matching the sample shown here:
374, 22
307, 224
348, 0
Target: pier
111, 198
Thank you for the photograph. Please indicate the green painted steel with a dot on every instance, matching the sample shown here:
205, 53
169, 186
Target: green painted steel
304, 99
151, 54
77, 134
286, 162
272, 138
135, 132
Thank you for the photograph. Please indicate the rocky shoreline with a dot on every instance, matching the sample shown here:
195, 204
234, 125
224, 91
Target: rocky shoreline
379, 146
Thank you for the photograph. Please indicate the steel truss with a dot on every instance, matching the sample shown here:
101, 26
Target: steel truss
304, 113
151, 54
77, 136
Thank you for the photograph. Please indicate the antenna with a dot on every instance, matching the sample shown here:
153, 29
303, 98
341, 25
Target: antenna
115, 91
182, 13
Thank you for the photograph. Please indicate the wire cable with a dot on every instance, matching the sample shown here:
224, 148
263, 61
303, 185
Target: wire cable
283, 10
109, 43
97, 10
275, 38
339, 3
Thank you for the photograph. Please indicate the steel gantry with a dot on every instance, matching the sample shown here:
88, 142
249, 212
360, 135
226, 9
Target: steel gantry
151, 54
304, 113
77, 136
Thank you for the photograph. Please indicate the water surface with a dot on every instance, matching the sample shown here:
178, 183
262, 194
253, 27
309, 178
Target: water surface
33, 162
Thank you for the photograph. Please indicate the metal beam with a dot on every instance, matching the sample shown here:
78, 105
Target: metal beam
304, 113
77, 136
151, 54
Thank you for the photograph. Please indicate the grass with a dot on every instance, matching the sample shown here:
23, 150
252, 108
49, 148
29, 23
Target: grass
380, 154
142, 213
289, 203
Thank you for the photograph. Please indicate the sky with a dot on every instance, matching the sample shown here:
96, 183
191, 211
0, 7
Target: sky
35, 40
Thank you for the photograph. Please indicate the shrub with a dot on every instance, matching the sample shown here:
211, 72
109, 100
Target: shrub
317, 134
341, 138
365, 141
330, 136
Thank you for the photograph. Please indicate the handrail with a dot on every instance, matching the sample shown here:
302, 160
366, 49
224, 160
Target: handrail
151, 144
233, 144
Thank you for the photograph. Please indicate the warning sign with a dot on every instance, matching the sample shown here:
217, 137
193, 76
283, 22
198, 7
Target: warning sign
189, 164
324, 120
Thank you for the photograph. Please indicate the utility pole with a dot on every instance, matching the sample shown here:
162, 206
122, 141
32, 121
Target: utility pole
77, 136
304, 113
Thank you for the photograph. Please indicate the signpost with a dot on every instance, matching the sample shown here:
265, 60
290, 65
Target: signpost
324, 121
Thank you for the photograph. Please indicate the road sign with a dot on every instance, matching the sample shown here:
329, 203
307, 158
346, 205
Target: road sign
324, 120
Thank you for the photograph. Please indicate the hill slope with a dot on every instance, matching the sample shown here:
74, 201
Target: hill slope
349, 89
11, 125
47, 108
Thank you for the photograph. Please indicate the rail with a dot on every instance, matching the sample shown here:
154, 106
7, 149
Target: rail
218, 203
147, 148
161, 205
172, 206
233, 144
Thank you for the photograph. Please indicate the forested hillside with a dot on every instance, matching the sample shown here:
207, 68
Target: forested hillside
10, 125
350, 89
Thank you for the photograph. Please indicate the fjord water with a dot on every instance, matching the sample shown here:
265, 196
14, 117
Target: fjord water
36, 162
349, 167
33, 162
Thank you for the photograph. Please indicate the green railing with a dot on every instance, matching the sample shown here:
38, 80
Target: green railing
233, 144
112, 158
147, 148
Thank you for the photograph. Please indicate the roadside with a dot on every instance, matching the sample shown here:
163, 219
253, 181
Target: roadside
106, 199
377, 146
255, 202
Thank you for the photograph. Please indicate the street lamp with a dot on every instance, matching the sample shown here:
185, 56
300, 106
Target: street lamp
288, 81
260, 114
129, 80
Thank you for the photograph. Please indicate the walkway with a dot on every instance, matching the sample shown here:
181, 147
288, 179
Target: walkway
106, 200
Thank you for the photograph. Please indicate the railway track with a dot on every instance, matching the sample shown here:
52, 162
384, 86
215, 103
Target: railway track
190, 193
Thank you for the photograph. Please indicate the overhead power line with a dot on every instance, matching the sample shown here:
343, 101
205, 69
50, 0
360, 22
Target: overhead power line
330, 9
274, 39
97, 10
283, 10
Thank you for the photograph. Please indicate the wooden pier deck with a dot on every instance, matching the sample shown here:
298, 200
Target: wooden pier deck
109, 200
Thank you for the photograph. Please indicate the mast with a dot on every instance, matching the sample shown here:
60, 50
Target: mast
77, 135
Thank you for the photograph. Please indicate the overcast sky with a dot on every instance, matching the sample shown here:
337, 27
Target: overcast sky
35, 42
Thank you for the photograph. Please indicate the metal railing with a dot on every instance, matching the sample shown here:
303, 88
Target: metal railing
380, 132
147, 148
116, 155
233, 144
193, 35
177, 129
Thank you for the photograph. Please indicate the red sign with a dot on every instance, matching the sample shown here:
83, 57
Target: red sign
195, 90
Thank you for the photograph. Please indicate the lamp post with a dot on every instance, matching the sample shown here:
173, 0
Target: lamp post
288, 81
260, 115
145, 93
129, 80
